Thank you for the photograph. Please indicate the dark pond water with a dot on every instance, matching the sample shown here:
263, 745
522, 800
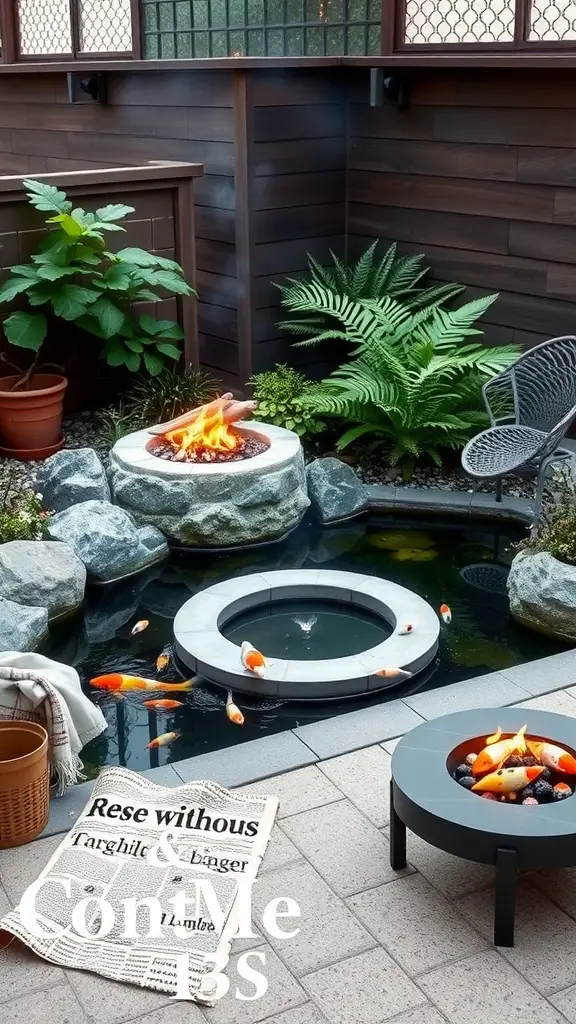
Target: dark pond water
464, 565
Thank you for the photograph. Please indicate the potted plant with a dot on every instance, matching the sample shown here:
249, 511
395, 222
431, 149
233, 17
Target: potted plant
77, 279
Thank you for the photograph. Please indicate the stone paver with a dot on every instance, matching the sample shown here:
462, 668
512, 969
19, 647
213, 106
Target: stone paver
329, 932
544, 941
297, 791
487, 989
181, 1012
326, 832
22, 972
453, 876
366, 989
308, 1014
490, 690
421, 1015
363, 777
283, 992
561, 703
22, 865
390, 745
279, 851
566, 1003
56, 1005
416, 924
559, 886
111, 1002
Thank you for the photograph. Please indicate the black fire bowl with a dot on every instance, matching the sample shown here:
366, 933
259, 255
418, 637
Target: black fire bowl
427, 800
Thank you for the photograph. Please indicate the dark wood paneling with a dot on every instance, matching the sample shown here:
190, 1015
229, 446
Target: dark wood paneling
287, 157
314, 121
272, 89
388, 122
174, 89
550, 166
287, 190
505, 126
409, 157
326, 219
457, 231
555, 242
276, 259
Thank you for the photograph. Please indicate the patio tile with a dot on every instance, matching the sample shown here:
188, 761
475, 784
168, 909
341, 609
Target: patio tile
452, 876
248, 762
566, 1003
22, 865
491, 690
560, 702
328, 930
344, 847
427, 1014
164, 775
279, 851
364, 776
299, 790
545, 674
559, 886
390, 745
485, 988
113, 1002
5, 904
545, 937
182, 1012
22, 972
56, 1005
367, 989
283, 992
308, 1014
65, 809
358, 729
416, 924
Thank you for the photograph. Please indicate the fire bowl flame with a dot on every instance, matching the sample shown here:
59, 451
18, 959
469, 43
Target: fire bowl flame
208, 434
514, 768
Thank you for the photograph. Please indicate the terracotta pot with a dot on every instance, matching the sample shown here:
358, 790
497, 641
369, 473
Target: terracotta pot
31, 420
24, 782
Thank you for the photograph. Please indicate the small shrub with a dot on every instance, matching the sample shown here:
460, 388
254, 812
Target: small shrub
169, 395
556, 529
280, 394
115, 422
21, 515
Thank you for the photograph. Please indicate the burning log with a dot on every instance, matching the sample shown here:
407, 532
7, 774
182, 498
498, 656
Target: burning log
207, 434
231, 410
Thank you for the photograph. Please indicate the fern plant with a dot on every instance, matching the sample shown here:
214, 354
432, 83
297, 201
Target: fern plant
280, 394
370, 279
414, 380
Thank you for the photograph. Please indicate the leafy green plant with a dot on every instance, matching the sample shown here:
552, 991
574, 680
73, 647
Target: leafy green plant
169, 395
413, 381
115, 422
370, 279
556, 528
21, 514
80, 280
284, 397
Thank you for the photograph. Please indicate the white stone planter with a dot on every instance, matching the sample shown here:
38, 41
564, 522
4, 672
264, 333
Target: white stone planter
542, 594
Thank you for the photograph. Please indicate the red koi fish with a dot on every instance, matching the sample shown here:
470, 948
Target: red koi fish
446, 613
162, 705
552, 756
115, 681
507, 780
252, 659
163, 740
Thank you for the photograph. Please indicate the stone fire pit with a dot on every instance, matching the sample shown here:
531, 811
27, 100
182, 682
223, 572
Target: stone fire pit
218, 504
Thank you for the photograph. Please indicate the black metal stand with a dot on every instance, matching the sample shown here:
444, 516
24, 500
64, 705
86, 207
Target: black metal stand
397, 837
505, 896
499, 488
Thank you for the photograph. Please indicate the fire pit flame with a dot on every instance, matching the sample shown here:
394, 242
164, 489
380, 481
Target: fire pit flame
209, 433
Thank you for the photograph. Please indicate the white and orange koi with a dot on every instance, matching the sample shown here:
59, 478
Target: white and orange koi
115, 681
507, 780
163, 705
496, 751
552, 756
140, 626
163, 659
233, 712
252, 659
393, 673
163, 740
446, 613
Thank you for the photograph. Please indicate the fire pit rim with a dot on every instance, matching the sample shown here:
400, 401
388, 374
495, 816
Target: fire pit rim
205, 650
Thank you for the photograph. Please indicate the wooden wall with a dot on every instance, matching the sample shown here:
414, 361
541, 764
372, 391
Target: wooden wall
480, 174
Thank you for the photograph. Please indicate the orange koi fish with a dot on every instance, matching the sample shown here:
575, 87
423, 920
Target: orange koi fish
408, 627
163, 705
233, 712
552, 756
446, 613
507, 780
163, 659
139, 627
393, 673
496, 751
163, 740
116, 681
563, 787
252, 659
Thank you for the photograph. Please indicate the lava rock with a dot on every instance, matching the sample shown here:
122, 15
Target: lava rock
514, 761
106, 539
336, 491
543, 791
42, 574
21, 628
560, 794
545, 774
527, 793
542, 592
467, 781
461, 771
529, 761
71, 476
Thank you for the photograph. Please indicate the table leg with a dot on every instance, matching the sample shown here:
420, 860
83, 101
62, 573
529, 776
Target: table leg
397, 837
505, 896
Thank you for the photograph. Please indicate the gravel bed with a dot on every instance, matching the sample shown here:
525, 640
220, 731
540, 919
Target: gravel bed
80, 432
446, 480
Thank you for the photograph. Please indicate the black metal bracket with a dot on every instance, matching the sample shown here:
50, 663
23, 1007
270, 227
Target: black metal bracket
80, 86
395, 88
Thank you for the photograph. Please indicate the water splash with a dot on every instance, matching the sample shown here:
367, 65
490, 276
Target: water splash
306, 624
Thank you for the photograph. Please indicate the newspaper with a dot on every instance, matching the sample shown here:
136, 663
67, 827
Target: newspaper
119, 848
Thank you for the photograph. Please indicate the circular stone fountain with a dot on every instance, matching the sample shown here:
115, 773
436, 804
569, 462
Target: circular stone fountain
202, 647
218, 504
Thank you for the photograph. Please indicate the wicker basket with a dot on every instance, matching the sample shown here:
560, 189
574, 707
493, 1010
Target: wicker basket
24, 782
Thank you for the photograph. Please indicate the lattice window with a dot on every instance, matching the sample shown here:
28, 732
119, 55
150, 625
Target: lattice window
553, 20
105, 26
45, 27
260, 28
460, 21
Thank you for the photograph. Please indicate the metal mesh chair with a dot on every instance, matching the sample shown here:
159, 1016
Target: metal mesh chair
531, 405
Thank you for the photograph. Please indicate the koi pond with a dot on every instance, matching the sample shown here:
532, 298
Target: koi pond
462, 564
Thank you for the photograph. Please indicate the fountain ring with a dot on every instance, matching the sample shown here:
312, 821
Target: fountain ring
201, 646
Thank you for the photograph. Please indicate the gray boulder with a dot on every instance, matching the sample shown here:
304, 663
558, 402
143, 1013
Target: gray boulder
21, 629
106, 539
71, 476
335, 490
42, 574
542, 594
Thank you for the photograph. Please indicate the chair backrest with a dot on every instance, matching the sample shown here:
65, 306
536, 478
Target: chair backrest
544, 383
